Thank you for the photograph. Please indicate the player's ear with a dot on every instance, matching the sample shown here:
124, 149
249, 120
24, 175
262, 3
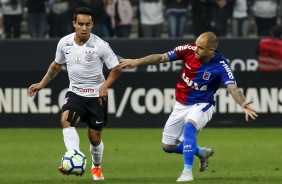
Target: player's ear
212, 49
73, 24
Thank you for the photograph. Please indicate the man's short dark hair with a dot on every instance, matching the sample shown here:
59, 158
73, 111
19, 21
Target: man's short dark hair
83, 10
276, 31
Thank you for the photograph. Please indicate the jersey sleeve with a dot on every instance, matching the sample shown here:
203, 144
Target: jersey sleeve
227, 76
172, 55
179, 52
108, 56
60, 56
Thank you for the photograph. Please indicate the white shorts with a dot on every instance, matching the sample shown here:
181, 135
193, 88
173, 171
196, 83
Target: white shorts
200, 113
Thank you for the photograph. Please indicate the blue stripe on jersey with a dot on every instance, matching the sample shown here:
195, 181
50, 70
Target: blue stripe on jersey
172, 56
207, 107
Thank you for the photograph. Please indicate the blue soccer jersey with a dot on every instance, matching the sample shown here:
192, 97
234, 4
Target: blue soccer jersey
199, 81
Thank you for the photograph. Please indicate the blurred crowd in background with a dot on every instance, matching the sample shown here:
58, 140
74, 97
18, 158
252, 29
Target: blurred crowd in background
141, 18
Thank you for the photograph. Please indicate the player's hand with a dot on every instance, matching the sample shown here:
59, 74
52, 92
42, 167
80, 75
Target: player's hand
34, 88
102, 100
103, 95
249, 111
128, 63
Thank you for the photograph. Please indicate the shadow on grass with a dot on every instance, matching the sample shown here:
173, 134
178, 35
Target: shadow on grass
156, 180
238, 180
88, 180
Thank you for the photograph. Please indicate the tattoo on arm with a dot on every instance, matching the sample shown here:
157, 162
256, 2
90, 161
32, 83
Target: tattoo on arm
51, 73
236, 93
53, 70
155, 59
164, 58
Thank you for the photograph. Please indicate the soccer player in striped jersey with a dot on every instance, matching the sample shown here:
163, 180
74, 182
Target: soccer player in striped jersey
204, 70
86, 100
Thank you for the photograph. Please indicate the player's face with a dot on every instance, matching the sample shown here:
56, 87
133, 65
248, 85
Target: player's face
83, 26
203, 52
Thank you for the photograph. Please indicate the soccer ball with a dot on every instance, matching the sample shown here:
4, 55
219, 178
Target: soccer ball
74, 162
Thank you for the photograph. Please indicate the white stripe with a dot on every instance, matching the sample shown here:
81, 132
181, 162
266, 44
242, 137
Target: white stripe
270, 60
269, 66
123, 102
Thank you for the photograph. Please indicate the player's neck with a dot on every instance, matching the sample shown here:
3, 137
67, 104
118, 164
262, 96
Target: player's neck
80, 41
206, 60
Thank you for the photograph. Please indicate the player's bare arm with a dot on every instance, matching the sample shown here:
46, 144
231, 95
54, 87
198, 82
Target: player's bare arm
52, 71
147, 60
113, 75
238, 96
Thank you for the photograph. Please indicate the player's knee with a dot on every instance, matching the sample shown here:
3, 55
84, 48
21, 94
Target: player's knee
95, 142
69, 118
168, 148
189, 130
65, 124
95, 137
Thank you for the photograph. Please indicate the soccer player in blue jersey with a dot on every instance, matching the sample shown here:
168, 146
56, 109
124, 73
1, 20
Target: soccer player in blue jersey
204, 70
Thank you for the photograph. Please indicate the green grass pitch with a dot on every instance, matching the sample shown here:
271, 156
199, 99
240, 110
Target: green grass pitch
135, 156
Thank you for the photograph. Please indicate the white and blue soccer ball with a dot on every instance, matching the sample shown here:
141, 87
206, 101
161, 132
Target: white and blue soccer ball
74, 162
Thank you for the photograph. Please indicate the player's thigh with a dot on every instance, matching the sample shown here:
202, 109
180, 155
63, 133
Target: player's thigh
73, 110
97, 119
97, 116
174, 126
200, 113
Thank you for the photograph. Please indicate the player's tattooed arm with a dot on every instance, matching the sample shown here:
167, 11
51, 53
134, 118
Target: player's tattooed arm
52, 72
154, 59
236, 93
147, 60
239, 97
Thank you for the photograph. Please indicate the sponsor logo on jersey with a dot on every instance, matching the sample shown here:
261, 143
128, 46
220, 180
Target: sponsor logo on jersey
89, 56
83, 90
184, 47
193, 84
227, 69
206, 75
